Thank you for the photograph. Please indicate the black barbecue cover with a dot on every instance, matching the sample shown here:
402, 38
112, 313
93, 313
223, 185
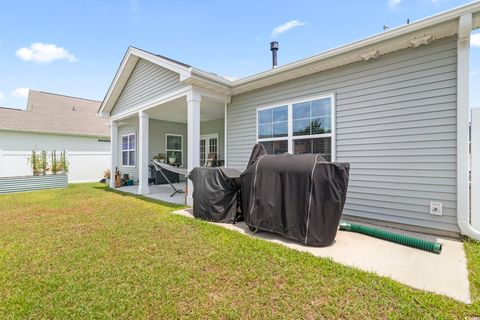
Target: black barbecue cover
298, 196
216, 194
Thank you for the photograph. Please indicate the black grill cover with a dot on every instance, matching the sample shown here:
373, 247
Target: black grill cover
298, 196
216, 194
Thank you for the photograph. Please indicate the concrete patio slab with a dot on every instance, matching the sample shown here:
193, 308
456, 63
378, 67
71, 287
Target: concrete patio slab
444, 273
160, 192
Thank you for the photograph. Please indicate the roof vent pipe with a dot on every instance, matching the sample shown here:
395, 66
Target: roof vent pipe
274, 48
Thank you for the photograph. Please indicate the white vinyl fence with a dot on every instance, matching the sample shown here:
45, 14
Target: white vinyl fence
85, 166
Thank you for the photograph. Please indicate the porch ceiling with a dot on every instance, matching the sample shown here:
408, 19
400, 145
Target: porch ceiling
176, 110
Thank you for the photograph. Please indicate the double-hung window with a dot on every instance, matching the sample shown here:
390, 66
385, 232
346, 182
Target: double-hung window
298, 127
128, 150
174, 148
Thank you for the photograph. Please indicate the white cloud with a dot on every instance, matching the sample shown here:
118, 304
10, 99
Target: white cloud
2, 96
286, 26
20, 93
394, 3
475, 40
44, 53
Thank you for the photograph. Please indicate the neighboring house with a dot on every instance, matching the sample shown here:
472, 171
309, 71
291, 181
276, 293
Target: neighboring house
394, 105
55, 122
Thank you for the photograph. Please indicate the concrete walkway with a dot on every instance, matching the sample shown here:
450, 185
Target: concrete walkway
444, 273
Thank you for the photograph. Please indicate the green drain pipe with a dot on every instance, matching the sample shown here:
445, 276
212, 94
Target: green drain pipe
393, 237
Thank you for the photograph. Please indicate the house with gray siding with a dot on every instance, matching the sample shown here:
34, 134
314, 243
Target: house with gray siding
394, 106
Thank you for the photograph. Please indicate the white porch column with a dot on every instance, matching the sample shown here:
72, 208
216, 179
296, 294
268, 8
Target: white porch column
113, 151
143, 153
193, 134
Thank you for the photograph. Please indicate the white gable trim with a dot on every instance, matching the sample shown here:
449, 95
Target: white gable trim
125, 70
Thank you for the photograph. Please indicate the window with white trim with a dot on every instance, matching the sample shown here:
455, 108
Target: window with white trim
128, 150
174, 148
298, 127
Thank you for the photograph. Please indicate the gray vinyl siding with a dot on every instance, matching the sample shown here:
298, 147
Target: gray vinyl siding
147, 82
396, 126
212, 127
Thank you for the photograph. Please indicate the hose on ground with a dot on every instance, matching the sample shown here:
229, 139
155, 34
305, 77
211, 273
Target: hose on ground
393, 237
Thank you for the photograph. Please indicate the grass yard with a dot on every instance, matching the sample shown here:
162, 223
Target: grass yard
86, 252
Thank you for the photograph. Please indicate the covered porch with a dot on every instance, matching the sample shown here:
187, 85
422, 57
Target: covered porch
180, 131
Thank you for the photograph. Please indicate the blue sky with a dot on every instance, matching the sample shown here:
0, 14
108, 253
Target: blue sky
75, 47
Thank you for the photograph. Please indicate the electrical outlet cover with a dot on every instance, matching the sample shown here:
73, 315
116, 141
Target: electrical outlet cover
436, 208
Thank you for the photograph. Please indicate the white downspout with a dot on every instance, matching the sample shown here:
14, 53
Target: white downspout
463, 111
225, 137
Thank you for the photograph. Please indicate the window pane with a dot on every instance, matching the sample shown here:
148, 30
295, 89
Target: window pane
125, 143
265, 116
276, 147
178, 157
273, 122
320, 125
317, 145
301, 110
125, 158
280, 129
264, 131
280, 113
312, 117
301, 127
174, 142
202, 152
131, 142
131, 158
321, 108
212, 145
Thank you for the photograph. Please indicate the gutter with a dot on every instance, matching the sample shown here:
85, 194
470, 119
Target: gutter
463, 109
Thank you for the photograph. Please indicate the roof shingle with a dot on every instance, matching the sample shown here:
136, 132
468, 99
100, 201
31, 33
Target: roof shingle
54, 113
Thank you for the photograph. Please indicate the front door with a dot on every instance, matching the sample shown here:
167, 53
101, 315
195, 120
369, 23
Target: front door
208, 144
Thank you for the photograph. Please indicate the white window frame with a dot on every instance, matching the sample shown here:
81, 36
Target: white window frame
175, 150
290, 137
128, 150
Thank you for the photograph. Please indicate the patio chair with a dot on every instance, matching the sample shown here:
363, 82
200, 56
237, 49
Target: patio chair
211, 160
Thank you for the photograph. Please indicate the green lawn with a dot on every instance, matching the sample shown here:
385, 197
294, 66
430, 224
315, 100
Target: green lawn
86, 252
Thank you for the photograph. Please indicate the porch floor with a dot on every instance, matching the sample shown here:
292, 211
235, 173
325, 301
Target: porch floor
444, 273
160, 192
